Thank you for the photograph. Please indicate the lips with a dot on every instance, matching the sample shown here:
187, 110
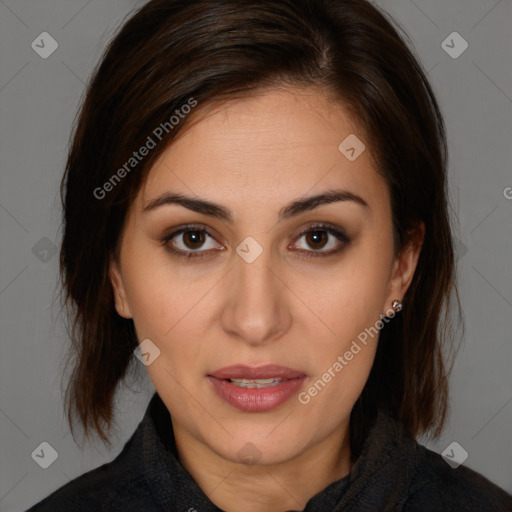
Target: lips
256, 389
255, 373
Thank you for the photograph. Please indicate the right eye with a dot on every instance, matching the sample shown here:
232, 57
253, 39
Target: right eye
190, 241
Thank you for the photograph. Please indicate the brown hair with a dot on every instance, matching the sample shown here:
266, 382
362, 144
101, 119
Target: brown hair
212, 50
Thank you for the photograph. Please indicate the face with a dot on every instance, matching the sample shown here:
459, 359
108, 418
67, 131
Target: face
261, 276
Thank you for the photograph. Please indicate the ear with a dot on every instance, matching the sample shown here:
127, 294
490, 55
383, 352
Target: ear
116, 280
404, 267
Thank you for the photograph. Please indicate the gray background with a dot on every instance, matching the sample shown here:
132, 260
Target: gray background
38, 100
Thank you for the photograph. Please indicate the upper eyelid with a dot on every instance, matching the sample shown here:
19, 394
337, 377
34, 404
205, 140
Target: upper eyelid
186, 228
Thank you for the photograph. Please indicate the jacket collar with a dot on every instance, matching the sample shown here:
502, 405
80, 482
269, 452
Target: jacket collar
379, 477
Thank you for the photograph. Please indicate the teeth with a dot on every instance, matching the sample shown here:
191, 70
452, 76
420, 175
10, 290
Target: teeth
255, 383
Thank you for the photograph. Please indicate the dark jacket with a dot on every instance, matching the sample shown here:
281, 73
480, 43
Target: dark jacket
392, 473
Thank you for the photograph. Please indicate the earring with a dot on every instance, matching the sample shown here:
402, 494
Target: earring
397, 305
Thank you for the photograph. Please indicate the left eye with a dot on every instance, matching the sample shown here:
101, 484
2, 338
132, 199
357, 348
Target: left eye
318, 239
322, 239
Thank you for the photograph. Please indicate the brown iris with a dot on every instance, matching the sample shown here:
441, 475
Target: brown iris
196, 239
314, 238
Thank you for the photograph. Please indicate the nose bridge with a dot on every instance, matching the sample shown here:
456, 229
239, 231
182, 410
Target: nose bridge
256, 310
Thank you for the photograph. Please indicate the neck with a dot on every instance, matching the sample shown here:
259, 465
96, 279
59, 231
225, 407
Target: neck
233, 486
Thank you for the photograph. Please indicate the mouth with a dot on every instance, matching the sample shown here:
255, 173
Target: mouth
256, 389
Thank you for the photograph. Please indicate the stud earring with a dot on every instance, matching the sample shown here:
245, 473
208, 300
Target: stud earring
397, 305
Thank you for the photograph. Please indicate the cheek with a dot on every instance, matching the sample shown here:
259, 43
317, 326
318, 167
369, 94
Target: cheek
349, 297
152, 298
343, 355
348, 304
173, 305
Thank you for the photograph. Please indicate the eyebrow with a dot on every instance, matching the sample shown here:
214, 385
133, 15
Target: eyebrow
293, 209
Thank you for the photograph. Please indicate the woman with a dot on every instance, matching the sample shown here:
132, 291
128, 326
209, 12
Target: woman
255, 206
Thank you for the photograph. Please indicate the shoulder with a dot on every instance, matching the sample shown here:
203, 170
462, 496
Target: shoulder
116, 485
436, 486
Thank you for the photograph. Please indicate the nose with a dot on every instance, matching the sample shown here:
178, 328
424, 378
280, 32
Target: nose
256, 310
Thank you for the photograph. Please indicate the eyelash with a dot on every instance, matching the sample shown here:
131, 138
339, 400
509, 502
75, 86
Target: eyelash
304, 254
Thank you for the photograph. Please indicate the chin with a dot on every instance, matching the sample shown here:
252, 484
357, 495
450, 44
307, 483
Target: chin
266, 444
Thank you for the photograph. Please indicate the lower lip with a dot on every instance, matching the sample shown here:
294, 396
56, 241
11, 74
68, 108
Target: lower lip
256, 399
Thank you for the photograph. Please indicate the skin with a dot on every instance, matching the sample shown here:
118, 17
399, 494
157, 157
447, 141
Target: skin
254, 156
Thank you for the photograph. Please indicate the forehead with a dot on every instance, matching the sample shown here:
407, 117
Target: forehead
277, 143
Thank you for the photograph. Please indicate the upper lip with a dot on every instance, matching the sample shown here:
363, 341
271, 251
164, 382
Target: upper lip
259, 372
